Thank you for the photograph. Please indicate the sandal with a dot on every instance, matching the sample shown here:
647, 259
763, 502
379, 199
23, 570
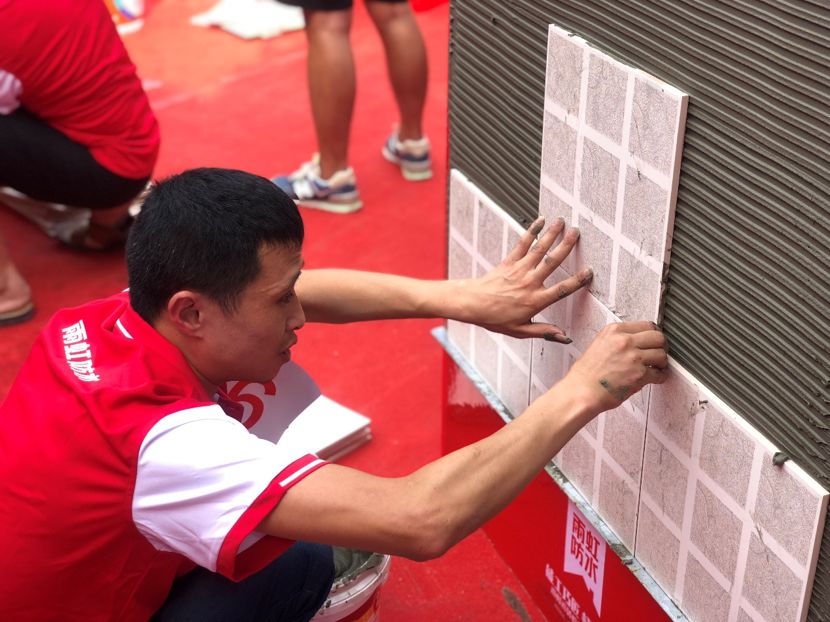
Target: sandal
74, 226
17, 316
92, 236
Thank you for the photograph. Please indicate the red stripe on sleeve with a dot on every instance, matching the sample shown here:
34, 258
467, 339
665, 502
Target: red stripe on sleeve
237, 566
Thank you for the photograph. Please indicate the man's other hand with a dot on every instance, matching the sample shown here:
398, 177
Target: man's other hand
621, 360
506, 299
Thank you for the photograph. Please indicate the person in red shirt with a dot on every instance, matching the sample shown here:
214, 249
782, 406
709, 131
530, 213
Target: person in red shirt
76, 129
130, 489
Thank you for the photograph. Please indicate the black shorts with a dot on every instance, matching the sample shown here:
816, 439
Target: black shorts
329, 5
46, 165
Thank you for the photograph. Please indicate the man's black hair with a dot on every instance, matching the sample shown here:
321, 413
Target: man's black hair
202, 230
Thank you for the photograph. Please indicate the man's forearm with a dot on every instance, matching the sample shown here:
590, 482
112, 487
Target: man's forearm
423, 514
340, 296
471, 485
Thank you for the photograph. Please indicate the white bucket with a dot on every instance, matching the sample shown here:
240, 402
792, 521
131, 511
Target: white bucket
358, 599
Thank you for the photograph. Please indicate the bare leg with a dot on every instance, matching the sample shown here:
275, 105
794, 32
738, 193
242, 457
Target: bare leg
14, 291
406, 61
331, 83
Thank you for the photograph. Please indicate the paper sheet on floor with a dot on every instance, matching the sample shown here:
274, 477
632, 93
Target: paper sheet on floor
251, 19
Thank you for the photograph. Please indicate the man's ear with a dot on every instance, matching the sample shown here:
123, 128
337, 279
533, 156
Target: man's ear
187, 310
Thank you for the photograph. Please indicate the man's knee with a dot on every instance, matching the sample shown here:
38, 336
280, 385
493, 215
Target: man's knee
328, 23
318, 560
385, 13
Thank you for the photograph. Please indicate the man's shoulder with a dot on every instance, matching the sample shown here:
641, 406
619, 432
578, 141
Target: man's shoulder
103, 348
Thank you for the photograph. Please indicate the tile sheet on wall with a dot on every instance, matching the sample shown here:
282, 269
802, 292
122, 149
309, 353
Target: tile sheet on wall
731, 534
480, 234
682, 480
611, 149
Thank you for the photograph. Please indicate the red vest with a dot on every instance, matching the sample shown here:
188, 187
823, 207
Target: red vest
72, 426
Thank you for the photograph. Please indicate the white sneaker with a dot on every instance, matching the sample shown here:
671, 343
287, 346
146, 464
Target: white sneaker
411, 155
337, 194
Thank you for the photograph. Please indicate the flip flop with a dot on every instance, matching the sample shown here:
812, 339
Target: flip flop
96, 237
17, 316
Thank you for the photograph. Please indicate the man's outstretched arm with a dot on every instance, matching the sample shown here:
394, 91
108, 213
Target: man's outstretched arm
423, 514
504, 300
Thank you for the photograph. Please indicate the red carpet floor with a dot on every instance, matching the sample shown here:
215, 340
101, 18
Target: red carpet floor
226, 102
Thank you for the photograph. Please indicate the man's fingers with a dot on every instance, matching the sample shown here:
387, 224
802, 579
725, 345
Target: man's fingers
536, 254
638, 326
655, 357
565, 288
649, 338
540, 330
655, 375
526, 241
555, 256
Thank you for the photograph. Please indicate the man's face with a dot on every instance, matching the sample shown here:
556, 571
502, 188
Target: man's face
254, 341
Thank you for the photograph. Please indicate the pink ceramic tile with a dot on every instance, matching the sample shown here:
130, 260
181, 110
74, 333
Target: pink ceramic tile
552, 207
664, 479
704, 600
770, 587
752, 526
645, 207
490, 239
588, 318
547, 363
462, 206
519, 348
559, 152
673, 408
595, 250
655, 118
558, 312
598, 183
787, 509
460, 335
639, 401
513, 238
514, 385
716, 531
459, 260
577, 462
617, 504
622, 439
591, 428
564, 72
607, 82
657, 549
726, 453
486, 356
638, 290
743, 616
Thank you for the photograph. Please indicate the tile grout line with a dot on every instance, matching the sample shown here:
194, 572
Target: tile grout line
801, 570
580, 129
716, 574
746, 532
653, 173
622, 169
598, 460
642, 468
476, 208
688, 508
652, 263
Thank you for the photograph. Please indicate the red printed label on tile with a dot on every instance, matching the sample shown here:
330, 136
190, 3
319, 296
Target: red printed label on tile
585, 553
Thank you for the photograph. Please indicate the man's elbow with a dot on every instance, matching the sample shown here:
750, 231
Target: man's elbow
430, 534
